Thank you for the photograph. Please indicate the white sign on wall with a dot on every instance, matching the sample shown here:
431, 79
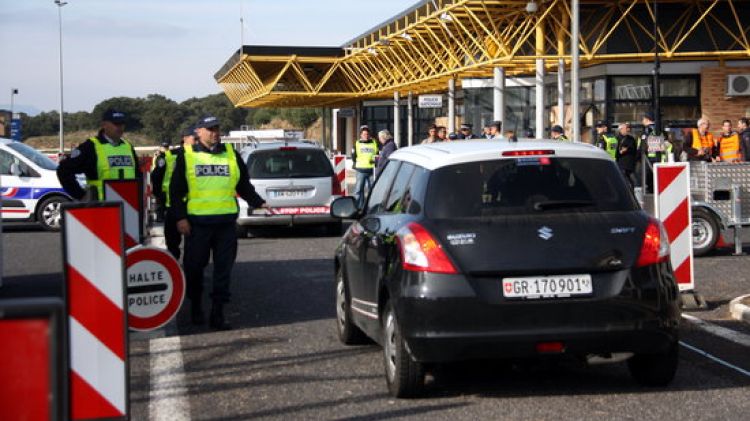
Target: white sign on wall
430, 101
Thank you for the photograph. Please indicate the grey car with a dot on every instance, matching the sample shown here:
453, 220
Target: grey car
297, 181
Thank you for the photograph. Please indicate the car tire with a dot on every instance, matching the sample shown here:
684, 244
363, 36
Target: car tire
656, 370
49, 213
333, 229
348, 332
405, 376
705, 232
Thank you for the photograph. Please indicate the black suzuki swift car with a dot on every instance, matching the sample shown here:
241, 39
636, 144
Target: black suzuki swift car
479, 249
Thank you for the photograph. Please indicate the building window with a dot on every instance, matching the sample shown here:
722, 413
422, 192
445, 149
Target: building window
631, 98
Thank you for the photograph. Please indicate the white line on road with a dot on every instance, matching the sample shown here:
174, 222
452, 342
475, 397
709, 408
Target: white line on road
168, 396
728, 334
715, 359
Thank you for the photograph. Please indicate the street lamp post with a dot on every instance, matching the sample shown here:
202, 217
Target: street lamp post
60, 5
657, 66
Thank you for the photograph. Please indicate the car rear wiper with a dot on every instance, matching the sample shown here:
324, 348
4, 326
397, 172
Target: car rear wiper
558, 204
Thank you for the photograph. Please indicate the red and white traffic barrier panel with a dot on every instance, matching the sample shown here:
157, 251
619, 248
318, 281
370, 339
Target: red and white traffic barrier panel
339, 168
672, 207
95, 292
129, 193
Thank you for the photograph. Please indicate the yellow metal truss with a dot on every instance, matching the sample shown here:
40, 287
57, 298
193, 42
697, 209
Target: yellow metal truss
420, 50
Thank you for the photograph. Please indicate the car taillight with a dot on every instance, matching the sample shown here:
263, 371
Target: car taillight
420, 251
336, 186
655, 248
532, 152
288, 148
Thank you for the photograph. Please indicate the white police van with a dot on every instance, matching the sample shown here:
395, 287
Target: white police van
29, 187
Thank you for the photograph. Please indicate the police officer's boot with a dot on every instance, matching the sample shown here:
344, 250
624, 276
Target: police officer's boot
216, 319
196, 312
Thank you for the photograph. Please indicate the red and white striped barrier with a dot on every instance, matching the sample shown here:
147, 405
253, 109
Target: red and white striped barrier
129, 193
672, 186
95, 293
339, 168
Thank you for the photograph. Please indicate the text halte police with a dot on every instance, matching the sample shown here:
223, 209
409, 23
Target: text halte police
153, 276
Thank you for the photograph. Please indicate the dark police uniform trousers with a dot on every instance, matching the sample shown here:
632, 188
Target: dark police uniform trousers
209, 234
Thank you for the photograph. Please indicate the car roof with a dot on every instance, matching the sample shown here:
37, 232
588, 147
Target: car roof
437, 155
5, 141
275, 144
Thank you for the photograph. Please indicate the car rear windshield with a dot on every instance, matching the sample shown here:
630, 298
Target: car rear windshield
289, 163
527, 185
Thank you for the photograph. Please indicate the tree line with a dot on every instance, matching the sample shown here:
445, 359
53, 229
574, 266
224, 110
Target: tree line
160, 118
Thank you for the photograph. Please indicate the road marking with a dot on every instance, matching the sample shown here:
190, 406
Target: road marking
728, 334
168, 396
715, 359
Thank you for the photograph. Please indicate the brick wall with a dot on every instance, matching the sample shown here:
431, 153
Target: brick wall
715, 105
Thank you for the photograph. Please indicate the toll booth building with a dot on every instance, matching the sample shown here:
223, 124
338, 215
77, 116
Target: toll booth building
446, 62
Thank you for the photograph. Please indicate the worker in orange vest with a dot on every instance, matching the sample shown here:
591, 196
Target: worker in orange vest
701, 141
728, 144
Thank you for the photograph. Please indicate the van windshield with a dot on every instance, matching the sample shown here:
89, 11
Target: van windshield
33, 155
289, 163
529, 185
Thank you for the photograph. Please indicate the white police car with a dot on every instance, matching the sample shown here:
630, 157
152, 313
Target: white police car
29, 187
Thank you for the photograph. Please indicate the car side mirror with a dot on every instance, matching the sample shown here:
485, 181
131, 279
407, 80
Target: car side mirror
15, 169
344, 207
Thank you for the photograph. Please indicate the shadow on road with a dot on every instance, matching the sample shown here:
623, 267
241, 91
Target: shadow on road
268, 293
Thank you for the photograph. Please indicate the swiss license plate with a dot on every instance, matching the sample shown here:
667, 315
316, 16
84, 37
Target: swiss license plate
555, 286
288, 193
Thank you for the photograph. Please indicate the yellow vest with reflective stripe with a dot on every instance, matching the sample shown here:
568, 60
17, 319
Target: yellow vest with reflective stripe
110, 161
212, 182
366, 152
169, 160
610, 145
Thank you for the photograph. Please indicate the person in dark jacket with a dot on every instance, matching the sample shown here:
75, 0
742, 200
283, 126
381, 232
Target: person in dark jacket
743, 128
202, 192
627, 153
387, 147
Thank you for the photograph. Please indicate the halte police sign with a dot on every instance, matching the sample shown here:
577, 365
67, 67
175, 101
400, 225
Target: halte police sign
156, 288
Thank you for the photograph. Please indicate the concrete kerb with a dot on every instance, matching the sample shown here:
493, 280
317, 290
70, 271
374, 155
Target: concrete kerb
739, 310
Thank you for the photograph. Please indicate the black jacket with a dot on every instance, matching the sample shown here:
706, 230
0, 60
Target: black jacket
83, 161
745, 144
178, 189
626, 160
385, 151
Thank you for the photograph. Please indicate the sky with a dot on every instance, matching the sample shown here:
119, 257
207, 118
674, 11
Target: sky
138, 47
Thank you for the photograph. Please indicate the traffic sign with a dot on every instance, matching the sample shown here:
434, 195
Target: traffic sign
156, 287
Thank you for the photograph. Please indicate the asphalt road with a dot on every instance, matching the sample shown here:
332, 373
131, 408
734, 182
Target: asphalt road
283, 361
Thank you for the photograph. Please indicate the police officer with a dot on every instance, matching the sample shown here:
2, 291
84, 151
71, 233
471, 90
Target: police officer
202, 195
363, 155
558, 133
604, 140
106, 156
161, 177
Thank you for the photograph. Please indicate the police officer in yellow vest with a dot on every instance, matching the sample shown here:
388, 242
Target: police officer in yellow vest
106, 156
363, 155
604, 140
202, 195
161, 176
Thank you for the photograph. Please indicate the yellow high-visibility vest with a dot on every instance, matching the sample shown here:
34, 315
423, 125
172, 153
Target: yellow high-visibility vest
112, 163
212, 182
366, 152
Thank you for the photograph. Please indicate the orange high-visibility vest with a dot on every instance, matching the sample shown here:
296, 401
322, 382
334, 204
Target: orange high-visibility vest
699, 141
729, 147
